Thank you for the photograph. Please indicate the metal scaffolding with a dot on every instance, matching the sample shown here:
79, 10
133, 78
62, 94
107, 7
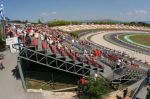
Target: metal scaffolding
58, 63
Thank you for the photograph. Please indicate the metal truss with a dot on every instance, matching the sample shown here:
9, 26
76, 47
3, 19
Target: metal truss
126, 77
58, 63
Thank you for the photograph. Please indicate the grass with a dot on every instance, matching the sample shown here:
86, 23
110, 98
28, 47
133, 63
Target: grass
121, 37
89, 37
39, 84
141, 39
48, 80
138, 38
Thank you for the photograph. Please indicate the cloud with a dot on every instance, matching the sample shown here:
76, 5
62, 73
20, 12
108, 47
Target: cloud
53, 12
137, 12
44, 14
143, 12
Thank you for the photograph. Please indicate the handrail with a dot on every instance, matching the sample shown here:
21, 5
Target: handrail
138, 89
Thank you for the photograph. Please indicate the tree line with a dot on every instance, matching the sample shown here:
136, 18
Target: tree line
64, 22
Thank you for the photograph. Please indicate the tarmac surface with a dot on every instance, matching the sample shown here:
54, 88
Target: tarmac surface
112, 38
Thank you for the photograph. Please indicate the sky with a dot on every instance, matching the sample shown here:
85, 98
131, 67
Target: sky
47, 10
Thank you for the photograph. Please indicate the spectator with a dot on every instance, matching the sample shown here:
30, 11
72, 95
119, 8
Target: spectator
148, 93
83, 81
118, 63
73, 42
28, 40
118, 97
95, 75
10, 34
44, 45
125, 92
36, 35
42, 37
35, 42
85, 52
148, 77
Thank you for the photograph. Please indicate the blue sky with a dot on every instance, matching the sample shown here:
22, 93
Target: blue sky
125, 10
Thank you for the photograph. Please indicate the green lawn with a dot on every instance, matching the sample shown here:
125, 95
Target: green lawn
121, 37
143, 39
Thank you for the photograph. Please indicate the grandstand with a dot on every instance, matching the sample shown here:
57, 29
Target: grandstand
61, 53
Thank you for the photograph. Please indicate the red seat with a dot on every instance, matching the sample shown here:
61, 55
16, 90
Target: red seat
98, 65
63, 53
135, 65
53, 48
23, 39
71, 56
88, 61
78, 58
35, 42
112, 57
44, 45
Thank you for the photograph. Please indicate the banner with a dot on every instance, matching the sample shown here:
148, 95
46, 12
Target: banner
10, 42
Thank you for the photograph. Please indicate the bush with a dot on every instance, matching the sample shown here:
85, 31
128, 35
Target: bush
97, 88
74, 34
62, 22
0, 37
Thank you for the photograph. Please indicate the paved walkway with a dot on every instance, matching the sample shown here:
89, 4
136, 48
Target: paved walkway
10, 87
142, 94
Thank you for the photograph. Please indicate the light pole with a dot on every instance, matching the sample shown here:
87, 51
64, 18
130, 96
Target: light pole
3, 22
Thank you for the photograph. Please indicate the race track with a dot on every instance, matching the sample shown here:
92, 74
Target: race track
98, 38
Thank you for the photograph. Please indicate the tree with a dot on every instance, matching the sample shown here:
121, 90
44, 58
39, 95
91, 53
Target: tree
62, 22
39, 21
0, 37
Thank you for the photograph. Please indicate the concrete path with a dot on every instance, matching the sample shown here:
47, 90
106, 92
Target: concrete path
142, 94
10, 87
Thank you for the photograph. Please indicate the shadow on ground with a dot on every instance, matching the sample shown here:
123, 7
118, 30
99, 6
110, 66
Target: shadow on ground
15, 73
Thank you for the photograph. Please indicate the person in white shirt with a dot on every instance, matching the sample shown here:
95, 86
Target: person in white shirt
95, 76
31, 33
42, 37
36, 35
118, 63
72, 41
49, 40
85, 52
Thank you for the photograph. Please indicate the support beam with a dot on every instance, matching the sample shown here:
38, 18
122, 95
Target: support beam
21, 75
